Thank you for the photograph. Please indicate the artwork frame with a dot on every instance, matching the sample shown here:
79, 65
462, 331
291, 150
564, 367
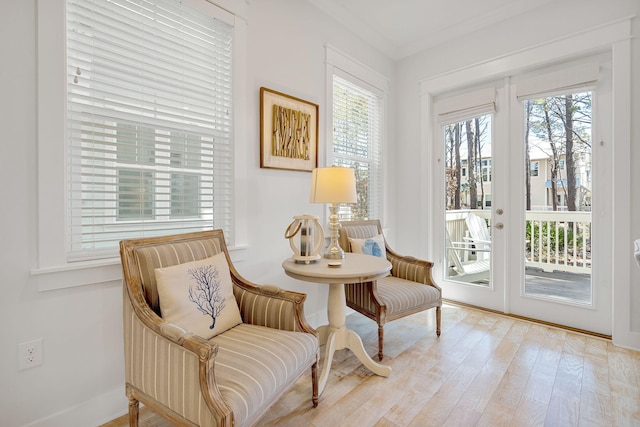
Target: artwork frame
281, 116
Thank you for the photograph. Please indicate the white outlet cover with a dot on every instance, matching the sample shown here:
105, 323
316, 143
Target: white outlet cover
30, 354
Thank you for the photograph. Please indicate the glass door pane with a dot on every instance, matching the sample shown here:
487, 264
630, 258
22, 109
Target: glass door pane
558, 198
468, 200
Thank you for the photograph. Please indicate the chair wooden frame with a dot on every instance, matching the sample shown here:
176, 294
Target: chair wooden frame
403, 267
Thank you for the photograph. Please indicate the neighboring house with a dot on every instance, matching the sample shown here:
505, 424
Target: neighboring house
540, 168
541, 180
485, 164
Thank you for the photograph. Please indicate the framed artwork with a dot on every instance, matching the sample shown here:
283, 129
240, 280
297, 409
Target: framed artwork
288, 132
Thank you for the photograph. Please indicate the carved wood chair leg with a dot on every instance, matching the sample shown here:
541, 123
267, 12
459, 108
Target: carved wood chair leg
314, 384
438, 320
134, 406
380, 341
134, 410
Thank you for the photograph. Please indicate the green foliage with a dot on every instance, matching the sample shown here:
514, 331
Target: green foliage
561, 235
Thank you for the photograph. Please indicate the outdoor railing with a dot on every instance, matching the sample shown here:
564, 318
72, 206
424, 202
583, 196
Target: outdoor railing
559, 241
555, 240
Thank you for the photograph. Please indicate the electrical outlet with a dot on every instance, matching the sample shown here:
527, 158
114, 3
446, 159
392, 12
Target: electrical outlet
29, 354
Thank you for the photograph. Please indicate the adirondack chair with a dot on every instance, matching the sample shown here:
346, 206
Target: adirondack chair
474, 270
479, 236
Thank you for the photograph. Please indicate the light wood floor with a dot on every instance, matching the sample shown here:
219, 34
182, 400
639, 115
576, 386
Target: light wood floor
485, 370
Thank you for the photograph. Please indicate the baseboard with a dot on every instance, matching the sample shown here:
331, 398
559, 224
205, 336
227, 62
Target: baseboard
627, 339
529, 319
95, 412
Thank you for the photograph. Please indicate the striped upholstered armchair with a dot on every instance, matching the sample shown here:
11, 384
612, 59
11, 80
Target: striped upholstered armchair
230, 379
408, 290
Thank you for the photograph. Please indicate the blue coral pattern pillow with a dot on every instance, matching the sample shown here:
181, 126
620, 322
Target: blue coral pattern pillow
198, 296
372, 246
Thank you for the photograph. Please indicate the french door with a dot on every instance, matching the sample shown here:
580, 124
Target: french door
526, 216
470, 159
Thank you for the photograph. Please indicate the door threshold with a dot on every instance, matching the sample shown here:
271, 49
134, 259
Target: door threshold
529, 319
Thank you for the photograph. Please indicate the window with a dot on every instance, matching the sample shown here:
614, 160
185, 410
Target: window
357, 117
535, 167
486, 171
149, 122
468, 160
357, 132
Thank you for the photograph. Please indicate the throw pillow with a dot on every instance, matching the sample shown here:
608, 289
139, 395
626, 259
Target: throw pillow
371, 246
198, 296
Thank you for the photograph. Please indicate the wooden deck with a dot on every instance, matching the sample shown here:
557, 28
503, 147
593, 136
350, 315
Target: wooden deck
559, 285
486, 369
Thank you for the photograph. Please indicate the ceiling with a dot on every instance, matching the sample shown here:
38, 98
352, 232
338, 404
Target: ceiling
400, 28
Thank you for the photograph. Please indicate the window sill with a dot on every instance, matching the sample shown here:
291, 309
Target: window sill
94, 272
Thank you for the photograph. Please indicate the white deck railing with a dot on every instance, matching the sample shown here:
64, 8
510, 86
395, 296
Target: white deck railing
557, 240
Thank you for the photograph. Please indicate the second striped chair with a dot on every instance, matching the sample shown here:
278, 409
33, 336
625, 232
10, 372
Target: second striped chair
407, 290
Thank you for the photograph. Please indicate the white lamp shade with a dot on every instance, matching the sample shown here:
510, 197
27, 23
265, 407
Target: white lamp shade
333, 185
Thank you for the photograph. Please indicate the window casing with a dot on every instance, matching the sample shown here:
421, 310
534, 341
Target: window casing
53, 267
357, 131
149, 126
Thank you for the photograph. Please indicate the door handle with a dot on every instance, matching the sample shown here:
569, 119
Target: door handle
499, 226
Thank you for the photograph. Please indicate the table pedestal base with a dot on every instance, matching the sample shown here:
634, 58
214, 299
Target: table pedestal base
336, 336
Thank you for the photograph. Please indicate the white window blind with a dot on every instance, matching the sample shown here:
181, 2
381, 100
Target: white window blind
579, 78
458, 108
149, 125
357, 143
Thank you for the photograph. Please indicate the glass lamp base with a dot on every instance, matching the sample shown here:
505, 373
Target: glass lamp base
334, 251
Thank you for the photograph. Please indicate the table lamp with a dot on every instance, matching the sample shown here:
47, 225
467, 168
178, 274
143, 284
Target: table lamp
333, 185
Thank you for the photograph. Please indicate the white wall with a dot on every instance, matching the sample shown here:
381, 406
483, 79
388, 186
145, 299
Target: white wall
286, 53
81, 380
517, 35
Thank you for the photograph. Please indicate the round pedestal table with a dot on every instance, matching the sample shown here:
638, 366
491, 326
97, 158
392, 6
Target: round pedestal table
335, 336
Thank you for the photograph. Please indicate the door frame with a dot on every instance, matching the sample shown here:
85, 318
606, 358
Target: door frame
614, 38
